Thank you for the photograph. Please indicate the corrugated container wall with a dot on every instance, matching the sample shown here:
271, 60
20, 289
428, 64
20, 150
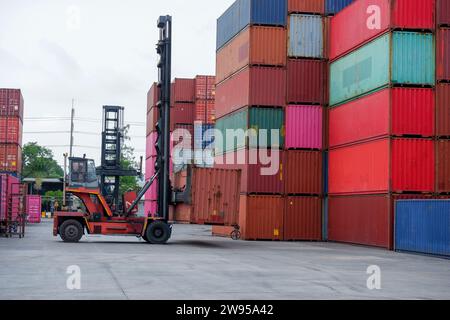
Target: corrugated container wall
391, 111
252, 86
443, 12
443, 166
303, 219
306, 6
11, 130
152, 96
256, 45
181, 113
205, 87
303, 127
184, 90
261, 217
357, 24
10, 158
248, 12
443, 110
381, 166
335, 6
305, 36
306, 81
422, 226
443, 54
252, 120
215, 196
33, 208
303, 172
11, 103
395, 58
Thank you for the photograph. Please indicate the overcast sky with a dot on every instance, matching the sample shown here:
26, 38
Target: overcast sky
99, 52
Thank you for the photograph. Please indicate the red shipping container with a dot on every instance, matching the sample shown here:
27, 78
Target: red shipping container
11, 130
254, 46
152, 96
11, 103
381, 166
184, 90
254, 179
443, 166
364, 20
306, 81
443, 12
215, 196
303, 218
183, 135
10, 158
261, 217
306, 6
183, 213
443, 110
205, 111
389, 112
443, 54
303, 172
253, 86
7, 182
182, 113
205, 87
364, 219
33, 208
152, 119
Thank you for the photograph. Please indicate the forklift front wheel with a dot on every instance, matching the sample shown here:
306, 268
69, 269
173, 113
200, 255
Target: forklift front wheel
71, 231
158, 232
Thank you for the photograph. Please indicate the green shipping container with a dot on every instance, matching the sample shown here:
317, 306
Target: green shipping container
397, 58
250, 118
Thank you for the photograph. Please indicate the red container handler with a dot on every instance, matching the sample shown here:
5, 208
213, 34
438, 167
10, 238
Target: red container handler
11, 130
10, 158
184, 90
306, 6
443, 166
306, 81
215, 196
261, 217
364, 20
302, 173
443, 110
253, 179
252, 86
365, 219
302, 219
443, 13
443, 54
11, 103
33, 208
381, 166
388, 112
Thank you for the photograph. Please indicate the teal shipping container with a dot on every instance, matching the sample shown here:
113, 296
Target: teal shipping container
397, 58
305, 36
241, 121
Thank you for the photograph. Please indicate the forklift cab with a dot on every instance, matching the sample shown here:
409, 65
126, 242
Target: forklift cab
82, 173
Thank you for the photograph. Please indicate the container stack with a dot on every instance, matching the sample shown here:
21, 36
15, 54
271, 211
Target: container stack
443, 97
382, 115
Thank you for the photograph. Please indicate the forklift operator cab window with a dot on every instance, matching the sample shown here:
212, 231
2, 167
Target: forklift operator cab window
83, 171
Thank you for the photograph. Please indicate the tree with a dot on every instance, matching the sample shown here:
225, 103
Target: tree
128, 161
38, 162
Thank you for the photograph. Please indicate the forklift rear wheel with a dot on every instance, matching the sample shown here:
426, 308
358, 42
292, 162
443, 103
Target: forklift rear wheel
71, 231
158, 232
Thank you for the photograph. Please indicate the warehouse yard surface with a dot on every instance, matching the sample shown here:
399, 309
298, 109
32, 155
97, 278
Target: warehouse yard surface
195, 265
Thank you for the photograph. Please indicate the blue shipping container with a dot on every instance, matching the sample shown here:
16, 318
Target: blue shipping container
334, 6
245, 12
203, 136
423, 226
305, 36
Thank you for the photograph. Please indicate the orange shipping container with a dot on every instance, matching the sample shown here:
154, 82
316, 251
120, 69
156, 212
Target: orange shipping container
11, 130
256, 45
303, 218
303, 172
306, 6
261, 217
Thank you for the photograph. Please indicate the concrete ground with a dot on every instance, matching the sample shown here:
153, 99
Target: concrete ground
197, 266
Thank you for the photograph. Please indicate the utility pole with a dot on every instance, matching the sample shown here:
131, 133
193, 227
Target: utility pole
71, 128
64, 179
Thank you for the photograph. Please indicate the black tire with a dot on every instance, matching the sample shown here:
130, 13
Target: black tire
71, 231
158, 232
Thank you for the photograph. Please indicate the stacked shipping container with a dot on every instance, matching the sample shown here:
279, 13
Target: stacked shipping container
382, 116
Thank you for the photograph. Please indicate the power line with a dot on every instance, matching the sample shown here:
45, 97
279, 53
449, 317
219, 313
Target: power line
91, 120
